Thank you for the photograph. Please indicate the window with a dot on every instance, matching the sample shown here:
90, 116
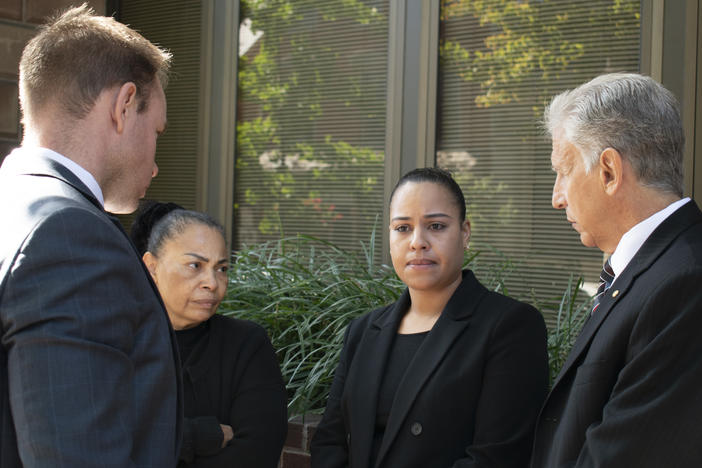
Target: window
311, 120
311, 117
500, 63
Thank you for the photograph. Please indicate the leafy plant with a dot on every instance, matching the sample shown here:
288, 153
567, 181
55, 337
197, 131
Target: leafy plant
305, 291
573, 310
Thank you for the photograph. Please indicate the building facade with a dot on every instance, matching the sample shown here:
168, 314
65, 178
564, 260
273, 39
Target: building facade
291, 117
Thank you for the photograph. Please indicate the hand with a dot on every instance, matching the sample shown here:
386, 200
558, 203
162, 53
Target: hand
228, 434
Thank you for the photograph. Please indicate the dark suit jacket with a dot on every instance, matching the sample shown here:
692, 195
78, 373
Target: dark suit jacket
469, 397
232, 377
88, 364
630, 392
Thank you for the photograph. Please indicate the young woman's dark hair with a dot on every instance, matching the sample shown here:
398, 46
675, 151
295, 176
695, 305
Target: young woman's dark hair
437, 176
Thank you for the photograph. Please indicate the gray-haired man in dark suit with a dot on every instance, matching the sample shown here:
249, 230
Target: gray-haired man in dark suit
88, 369
629, 394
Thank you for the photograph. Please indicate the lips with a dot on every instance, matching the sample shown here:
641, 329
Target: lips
420, 262
208, 303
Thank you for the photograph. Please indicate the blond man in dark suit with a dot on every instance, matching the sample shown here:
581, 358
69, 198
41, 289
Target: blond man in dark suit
88, 368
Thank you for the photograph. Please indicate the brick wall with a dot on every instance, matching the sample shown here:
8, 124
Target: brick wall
296, 452
18, 21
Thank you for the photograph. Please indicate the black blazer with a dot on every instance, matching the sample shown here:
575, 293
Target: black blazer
89, 372
469, 397
232, 377
629, 394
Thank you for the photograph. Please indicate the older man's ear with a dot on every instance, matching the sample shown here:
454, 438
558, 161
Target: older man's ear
611, 167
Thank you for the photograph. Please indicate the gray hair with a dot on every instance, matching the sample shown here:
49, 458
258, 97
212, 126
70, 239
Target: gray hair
630, 113
175, 223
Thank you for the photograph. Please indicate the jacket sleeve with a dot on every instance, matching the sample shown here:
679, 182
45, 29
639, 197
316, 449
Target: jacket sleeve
201, 436
69, 322
514, 387
259, 415
652, 417
329, 446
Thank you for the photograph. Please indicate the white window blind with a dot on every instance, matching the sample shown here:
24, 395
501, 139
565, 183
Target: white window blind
311, 120
500, 63
175, 25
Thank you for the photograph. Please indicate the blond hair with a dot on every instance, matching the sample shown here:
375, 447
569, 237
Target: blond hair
77, 55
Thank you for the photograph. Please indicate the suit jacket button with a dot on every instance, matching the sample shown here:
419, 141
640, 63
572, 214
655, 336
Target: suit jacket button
416, 428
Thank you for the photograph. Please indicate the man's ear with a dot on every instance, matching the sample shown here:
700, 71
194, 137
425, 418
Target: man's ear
150, 261
611, 170
124, 105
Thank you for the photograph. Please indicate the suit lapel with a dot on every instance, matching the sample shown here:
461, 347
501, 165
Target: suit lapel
367, 368
453, 320
656, 244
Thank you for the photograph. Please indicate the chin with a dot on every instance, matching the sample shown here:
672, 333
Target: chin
121, 208
587, 240
424, 284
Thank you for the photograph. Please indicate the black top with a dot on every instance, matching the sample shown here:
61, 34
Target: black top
231, 376
404, 347
188, 339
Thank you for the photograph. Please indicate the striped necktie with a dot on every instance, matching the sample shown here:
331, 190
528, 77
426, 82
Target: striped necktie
606, 278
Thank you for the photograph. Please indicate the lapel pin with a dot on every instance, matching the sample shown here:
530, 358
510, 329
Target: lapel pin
615, 293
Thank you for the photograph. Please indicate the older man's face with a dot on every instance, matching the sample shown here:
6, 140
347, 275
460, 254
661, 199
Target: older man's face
580, 194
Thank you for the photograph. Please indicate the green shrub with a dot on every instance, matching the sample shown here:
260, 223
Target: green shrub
304, 291
571, 314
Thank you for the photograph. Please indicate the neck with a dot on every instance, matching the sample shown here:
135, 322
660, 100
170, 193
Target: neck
75, 140
426, 307
639, 205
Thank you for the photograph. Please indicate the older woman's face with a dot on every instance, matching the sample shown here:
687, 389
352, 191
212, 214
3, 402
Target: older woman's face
427, 237
191, 274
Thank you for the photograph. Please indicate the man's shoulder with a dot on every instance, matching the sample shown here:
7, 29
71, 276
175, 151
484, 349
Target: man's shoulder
58, 211
36, 208
36, 193
676, 244
685, 248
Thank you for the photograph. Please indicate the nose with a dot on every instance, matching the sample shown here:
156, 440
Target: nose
558, 199
154, 171
209, 280
419, 240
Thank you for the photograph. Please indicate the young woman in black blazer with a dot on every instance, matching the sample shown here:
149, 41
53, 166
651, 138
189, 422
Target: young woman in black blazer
450, 375
234, 397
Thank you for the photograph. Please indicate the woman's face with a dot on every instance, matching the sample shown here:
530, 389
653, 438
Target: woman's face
427, 237
191, 274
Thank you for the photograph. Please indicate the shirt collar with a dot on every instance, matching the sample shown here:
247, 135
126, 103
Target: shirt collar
633, 239
84, 176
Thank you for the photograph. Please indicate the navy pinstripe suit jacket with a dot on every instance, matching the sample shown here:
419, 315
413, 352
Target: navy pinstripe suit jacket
89, 372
